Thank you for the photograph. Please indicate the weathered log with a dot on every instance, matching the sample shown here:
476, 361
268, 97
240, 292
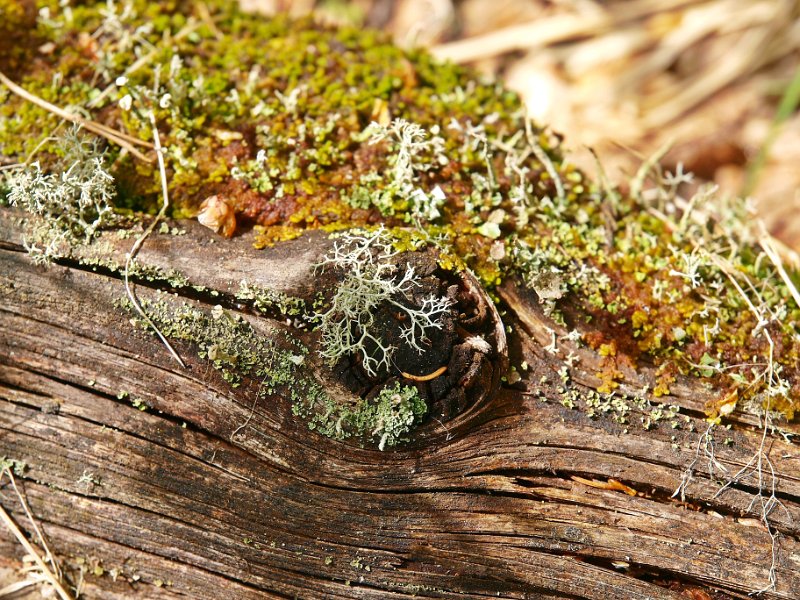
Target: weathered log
561, 445
214, 492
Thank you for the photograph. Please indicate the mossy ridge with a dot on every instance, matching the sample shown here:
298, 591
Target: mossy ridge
230, 343
272, 115
276, 362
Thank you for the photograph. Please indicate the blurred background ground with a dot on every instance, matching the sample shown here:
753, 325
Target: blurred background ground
626, 77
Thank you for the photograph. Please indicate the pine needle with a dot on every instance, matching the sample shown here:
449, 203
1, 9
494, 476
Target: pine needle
117, 137
140, 240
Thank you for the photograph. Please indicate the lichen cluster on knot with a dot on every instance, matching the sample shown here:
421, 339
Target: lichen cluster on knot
398, 317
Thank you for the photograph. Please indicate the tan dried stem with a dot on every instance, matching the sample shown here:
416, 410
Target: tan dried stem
123, 140
550, 30
51, 576
140, 240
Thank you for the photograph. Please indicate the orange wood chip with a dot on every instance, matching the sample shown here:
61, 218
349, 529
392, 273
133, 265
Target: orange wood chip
427, 377
611, 484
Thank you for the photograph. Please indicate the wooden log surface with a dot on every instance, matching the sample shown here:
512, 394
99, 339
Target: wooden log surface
214, 493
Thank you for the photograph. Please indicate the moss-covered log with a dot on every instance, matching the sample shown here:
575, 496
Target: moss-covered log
425, 355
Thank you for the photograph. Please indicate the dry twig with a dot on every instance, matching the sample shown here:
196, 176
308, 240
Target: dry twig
50, 575
121, 139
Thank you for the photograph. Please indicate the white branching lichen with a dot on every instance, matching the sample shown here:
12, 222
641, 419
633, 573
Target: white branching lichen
72, 203
371, 280
414, 151
411, 145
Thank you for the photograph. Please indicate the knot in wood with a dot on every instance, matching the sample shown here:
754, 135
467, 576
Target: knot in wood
453, 365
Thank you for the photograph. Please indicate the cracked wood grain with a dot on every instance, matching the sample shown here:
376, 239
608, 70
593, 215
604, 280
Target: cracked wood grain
483, 506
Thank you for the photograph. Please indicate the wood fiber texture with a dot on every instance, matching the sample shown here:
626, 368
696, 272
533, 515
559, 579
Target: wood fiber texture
207, 494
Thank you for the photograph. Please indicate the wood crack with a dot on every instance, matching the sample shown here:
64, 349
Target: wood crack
485, 505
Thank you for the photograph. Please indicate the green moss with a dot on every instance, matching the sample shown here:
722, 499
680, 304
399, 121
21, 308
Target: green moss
274, 115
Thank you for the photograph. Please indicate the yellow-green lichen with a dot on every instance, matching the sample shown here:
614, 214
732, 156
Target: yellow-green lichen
270, 302
232, 346
276, 362
276, 116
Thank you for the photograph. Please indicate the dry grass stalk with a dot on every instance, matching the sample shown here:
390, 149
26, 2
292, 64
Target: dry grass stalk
47, 570
553, 29
117, 137
140, 240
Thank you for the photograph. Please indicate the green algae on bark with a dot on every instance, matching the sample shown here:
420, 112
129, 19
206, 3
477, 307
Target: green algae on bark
277, 362
297, 126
